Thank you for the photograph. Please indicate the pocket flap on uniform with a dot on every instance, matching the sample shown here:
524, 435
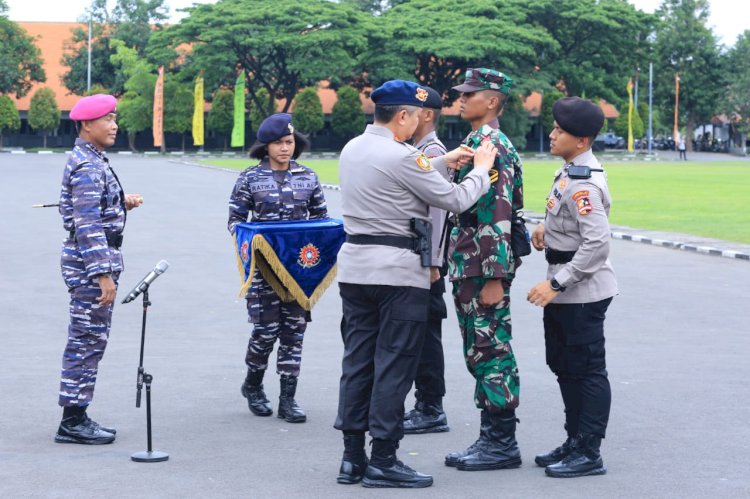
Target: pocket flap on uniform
409, 312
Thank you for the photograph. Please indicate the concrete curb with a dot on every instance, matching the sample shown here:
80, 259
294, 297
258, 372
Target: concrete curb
664, 243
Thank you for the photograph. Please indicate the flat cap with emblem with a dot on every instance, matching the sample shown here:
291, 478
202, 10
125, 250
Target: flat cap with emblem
485, 79
272, 129
399, 93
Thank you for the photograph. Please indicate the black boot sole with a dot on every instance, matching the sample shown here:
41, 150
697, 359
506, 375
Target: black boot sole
292, 419
543, 463
594, 472
63, 439
388, 484
349, 479
511, 463
431, 429
261, 414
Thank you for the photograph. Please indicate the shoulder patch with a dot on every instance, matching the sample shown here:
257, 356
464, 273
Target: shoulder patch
494, 175
550, 203
423, 162
580, 194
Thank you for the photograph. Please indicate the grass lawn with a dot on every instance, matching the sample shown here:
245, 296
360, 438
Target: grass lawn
705, 199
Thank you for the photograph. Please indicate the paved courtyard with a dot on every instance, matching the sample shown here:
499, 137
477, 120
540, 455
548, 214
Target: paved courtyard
677, 337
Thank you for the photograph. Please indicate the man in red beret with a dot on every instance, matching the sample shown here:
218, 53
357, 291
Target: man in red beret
93, 208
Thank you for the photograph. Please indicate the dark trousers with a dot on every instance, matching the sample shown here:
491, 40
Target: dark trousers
430, 380
383, 330
574, 339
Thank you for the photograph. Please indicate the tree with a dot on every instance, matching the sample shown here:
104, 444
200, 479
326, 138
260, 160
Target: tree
9, 119
96, 88
419, 40
621, 124
308, 112
260, 110
685, 46
514, 122
136, 107
548, 100
221, 115
347, 118
132, 21
737, 105
20, 59
598, 43
283, 45
178, 108
44, 114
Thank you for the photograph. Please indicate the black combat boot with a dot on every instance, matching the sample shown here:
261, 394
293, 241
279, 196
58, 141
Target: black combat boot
583, 461
288, 408
557, 455
75, 428
386, 471
97, 425
484, 429
418, 407
354, 462
430, 419
500, 451
252, 390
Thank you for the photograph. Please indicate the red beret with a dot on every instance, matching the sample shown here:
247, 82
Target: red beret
93, 107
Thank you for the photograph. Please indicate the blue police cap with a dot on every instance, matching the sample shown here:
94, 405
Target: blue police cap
434, 100
399, 93
274, 127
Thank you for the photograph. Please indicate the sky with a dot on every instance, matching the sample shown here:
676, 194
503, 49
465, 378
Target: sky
727, 19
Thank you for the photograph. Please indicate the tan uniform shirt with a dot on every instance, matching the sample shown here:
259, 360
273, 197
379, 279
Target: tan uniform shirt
385, 183
576, 220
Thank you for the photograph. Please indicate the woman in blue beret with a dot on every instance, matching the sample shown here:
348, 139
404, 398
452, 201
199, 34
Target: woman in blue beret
276, 189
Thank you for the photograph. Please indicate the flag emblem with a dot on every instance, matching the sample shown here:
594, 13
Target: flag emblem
309, 256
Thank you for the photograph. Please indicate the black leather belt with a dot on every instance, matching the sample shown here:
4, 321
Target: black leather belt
555, 257
403, 242
113, 240
467, 219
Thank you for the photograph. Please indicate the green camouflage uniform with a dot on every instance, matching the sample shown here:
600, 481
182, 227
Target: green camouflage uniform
480, 250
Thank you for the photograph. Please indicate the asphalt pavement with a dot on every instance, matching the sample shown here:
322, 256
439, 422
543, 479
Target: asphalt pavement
677, 341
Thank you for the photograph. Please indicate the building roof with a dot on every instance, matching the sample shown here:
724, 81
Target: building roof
52, 37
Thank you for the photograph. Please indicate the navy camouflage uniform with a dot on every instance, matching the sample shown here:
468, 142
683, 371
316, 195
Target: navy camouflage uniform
92, 205
266, 196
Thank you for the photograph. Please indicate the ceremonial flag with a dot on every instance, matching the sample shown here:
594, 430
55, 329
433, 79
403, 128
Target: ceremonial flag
238, 131
676, 130
198, 113
630, 115
297, 257
158, 123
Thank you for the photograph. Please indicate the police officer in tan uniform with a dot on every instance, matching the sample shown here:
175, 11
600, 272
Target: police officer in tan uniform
387, 188
579, 288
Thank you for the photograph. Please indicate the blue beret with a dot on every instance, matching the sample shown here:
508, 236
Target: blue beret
93, 107
434, 100
399, 93
579, 117
274, 127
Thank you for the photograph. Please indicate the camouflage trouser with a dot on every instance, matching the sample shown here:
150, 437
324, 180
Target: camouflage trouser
88, 332
273, 319
486, 333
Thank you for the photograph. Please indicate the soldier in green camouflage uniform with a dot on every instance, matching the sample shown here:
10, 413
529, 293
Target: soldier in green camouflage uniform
482, 267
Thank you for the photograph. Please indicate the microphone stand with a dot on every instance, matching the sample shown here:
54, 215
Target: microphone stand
150, 455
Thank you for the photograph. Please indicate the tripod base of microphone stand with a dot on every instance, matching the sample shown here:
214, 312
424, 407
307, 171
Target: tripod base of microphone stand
149, 456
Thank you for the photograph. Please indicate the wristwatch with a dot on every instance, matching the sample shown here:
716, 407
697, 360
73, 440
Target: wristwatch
556, 286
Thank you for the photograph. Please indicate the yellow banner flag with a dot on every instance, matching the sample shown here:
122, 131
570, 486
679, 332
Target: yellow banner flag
630, 116
158, 123
198, 113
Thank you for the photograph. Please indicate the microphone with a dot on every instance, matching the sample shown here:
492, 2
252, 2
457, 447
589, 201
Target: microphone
142, 286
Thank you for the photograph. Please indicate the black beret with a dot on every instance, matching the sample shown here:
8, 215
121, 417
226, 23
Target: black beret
579, 117
399, 93
434, 100
274, 127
